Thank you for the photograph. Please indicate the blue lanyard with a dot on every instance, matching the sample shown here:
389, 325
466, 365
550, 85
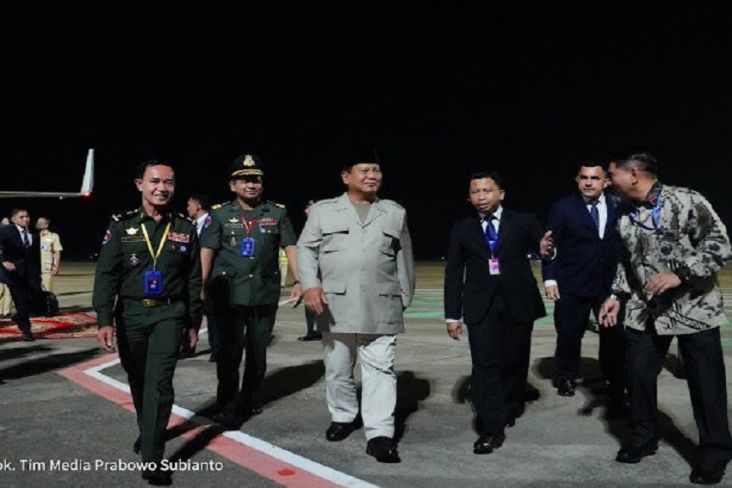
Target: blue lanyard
655, 217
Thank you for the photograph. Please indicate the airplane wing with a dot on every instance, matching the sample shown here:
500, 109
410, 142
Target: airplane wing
87, 185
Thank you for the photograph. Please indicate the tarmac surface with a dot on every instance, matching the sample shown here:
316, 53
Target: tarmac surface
63, 401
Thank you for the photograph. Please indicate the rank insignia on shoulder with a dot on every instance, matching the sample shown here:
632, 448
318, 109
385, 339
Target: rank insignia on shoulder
218, 205
277, 204
131, 231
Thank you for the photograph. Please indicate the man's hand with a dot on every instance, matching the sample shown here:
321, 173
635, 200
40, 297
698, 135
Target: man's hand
296, 294
552, 292
105, 336
662, 282
8, 265
609, 312
546, 245
454, 329
315, 299
54, 270
192, 339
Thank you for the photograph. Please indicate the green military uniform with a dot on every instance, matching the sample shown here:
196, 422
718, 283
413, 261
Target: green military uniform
149, 328
245, 292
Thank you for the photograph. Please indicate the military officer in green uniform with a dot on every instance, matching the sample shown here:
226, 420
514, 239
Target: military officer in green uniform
241, 275
150, 266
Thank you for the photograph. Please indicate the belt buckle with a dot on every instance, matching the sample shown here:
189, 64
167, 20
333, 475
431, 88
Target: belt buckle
149, 302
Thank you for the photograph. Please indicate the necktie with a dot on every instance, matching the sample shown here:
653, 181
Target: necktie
490, 230
595, 214
26, 242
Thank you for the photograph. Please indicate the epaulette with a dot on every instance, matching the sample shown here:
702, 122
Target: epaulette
185, 217
325, 202
276, 204
219, 205
124, 215
390, 202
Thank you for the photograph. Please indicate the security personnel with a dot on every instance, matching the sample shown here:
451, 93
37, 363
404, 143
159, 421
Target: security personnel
150, 263
239, 257
51, 249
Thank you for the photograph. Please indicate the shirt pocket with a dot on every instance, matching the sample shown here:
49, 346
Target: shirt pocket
390, 240
335, 235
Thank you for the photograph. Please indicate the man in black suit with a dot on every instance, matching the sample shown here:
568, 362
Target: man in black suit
489, 285
19, 254
578, 279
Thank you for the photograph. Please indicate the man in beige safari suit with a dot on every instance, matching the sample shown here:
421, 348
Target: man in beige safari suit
355, 262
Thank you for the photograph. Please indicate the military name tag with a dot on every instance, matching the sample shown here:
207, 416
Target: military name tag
153, 281
494, 267
247, 247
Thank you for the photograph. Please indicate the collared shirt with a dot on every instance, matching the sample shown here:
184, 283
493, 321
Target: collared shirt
200, 221
27, 232
687, 235
496, 219
602, 210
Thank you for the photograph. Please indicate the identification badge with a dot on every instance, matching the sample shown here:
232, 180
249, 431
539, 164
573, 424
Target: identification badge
247, 247
153, 283
494, 266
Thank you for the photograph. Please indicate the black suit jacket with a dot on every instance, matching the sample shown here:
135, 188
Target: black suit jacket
26, 260
469, 286
585, 265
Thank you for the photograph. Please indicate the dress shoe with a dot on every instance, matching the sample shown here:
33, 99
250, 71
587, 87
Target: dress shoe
703, 476
311, 336
339, 431
137, 446
383, 449
228, 420
634, 454
531, 394
157, 477
28, 337
487, 443
565, 387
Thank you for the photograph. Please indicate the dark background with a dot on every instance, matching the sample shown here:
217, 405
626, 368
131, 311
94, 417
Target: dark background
441, 91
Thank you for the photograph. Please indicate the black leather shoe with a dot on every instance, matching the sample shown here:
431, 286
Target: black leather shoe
28, 337
339, 431
383, 449
565, 387
487, 443
228, 420
634, 454
702, 476
314, 336
157, 477
137, 446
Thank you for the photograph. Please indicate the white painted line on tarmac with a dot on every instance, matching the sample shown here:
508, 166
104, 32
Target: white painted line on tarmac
260, 445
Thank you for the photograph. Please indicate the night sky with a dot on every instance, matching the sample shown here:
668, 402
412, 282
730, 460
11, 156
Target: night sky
440, 92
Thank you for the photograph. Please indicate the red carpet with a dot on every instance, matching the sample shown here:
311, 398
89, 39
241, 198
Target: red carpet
66, 325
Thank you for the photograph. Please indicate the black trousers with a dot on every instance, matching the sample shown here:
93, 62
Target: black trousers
242, 331
500, 350
25, 294
705, 373
571, 313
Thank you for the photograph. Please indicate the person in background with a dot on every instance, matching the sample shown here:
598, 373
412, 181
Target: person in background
50, 252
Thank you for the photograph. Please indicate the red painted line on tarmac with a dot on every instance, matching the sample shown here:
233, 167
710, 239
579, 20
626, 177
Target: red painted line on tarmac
252, 459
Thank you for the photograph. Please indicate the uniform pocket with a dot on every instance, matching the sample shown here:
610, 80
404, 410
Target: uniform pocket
334, 237
390, 243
